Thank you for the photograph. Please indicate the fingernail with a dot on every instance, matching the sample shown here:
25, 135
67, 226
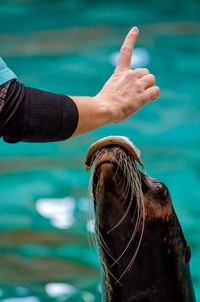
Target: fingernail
135, 29
154, 99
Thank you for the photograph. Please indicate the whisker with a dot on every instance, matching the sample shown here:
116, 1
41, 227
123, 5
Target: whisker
135, 254
104, 246
140, 217
121, 220
130, 240
130, 184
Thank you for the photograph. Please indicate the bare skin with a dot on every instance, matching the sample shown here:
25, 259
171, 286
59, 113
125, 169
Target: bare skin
125, 92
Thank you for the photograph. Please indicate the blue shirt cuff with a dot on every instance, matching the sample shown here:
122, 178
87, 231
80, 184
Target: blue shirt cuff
6, 74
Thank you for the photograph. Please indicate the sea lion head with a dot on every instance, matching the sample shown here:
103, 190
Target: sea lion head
142, 247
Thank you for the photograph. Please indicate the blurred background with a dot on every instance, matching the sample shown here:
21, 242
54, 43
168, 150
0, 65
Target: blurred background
71, 47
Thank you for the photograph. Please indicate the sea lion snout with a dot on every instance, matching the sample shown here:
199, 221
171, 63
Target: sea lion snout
110, 198
105, 171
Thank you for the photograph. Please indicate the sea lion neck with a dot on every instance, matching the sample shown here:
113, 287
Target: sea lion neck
160, 271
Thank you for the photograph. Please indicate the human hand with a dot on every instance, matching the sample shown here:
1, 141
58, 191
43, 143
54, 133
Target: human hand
126, 91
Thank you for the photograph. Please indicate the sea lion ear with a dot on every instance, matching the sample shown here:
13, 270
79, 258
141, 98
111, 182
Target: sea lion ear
187, 253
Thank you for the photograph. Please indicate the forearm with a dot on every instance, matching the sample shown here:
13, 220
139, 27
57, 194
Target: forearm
33, 115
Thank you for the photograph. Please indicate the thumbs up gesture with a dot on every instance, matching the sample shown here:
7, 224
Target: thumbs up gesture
126, 91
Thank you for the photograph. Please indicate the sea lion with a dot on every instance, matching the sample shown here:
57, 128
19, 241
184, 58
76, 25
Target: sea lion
143, 252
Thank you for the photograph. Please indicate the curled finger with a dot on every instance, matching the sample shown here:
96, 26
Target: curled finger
148, 80
150, 94
140, 72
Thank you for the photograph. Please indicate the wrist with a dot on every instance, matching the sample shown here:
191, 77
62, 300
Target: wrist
103, 109
93, 113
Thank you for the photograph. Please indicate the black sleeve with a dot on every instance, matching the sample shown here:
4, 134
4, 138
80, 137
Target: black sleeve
33, 115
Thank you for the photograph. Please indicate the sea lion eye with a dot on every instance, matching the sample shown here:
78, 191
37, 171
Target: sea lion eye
161, 189
165, 191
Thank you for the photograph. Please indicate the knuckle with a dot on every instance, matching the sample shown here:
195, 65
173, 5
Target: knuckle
146, 97
131, 35
141, 71
152, 95
116, 75
145, 70
138, 71
125, 50
128, 111
153, 78
139, 86
130, 74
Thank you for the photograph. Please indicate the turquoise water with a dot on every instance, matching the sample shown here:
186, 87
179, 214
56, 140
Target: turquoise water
65, 46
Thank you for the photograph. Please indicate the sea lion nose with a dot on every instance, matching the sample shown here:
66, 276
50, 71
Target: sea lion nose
106, 174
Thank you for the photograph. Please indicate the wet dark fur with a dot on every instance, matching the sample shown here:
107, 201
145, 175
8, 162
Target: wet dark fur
161, 270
